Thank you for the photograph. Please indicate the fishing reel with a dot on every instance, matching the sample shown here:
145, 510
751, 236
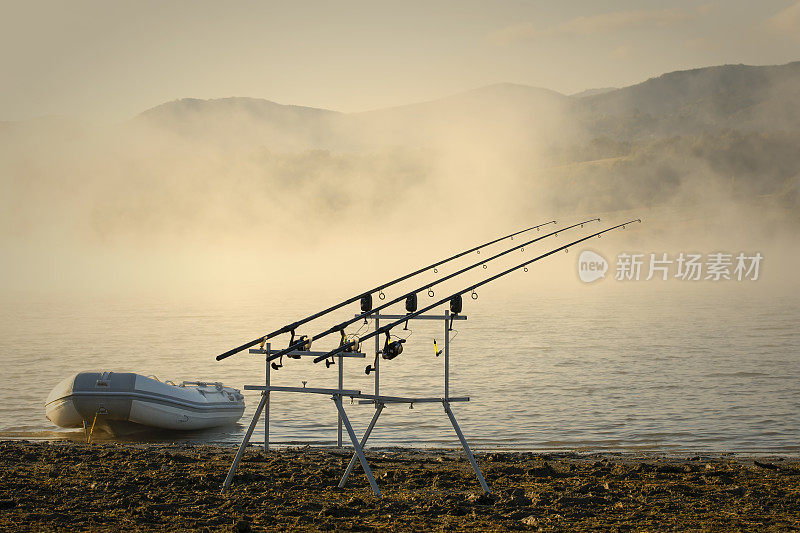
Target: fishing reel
352, 344
304, 345
355, 343
274, 365
392, 349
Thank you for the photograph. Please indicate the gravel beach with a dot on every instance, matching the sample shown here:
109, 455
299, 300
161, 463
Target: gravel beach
68, 486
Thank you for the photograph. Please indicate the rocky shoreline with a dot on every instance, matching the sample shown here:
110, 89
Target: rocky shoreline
66, 486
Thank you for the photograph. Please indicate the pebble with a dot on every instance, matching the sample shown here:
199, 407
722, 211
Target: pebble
176, 488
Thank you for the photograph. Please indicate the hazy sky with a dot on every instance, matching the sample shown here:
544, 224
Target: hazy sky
110, 60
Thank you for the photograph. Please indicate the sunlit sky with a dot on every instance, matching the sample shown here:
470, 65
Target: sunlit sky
105, 60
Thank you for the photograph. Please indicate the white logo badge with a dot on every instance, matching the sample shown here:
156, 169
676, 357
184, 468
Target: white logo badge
591, 266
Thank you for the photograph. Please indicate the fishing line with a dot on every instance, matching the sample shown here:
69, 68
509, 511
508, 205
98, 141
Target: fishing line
410, 332
453, 336
360, 328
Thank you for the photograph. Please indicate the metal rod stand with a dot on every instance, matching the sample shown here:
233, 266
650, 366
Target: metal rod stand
266, 407
343, 421
377, 369
245, 440
341, 386
447, 354
337, 399
446, 400
378, 408
464, 444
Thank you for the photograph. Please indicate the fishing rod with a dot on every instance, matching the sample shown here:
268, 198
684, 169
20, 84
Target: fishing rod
410, 297
394, 348
366, 297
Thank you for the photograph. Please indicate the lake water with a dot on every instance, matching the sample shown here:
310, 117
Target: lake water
603, 370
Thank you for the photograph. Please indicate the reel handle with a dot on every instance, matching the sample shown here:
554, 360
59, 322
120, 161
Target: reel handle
372, 367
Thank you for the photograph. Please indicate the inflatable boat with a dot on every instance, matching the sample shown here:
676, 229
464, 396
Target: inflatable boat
123, 402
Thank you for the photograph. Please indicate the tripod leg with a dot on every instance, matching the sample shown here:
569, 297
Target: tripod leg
367, 470
246, 439
465, 446
378, 409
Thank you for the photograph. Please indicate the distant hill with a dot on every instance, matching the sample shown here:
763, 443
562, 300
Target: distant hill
507, 113
692, 101
747, 98
193, 108
498, 96
593, 92
194, 166
732, 124
233, 119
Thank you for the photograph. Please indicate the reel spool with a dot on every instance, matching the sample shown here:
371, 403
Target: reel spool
354, 348
392, 349
305, 345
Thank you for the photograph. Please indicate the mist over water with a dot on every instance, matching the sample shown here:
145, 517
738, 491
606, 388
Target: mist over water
154, 244
196, 194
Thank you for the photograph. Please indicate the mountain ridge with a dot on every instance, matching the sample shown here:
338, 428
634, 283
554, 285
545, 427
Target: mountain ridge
715, 98
491, 89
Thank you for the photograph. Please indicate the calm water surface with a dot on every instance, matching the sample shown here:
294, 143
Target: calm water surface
717, 370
